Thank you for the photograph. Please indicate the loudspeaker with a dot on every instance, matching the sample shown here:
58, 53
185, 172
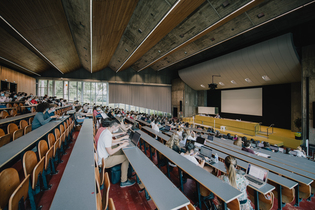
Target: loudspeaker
180, 106
313, 114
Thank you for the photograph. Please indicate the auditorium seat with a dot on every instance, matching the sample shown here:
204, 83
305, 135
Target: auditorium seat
111, 205
9, 181
189, 207
17, 134
27, 129
5, 140
11, 128
2, 133
23, 124
19, 196
30, 120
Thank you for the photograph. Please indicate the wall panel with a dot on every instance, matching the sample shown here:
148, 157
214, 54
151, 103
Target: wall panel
24, 83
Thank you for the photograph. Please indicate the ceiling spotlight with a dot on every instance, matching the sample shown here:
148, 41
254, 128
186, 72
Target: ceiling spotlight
185, 52
266, 78
140, 31
221, 83
126, 50
159, 51
248, 80
260, 15
202, 85
233, 82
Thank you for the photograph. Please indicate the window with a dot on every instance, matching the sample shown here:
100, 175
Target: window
51, 88
65, 90
132, 108
80, 91
73, 91
42, 87
59, 89
86, 92
99, 93
151, 111
142, 110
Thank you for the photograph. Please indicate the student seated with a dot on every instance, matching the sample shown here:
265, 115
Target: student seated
299, 152
97, 112
173, 143
190, 155
247, 148
237, 181
238, 142
40, 118
123, 126
266, 146
78, 117
114, 155
51, 111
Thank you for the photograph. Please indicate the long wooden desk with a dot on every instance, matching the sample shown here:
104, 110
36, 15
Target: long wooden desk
163, 192
222, 190
77, 189
18, 117
12, 150
7, 108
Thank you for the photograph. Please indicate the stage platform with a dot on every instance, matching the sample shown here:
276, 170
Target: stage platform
279, 137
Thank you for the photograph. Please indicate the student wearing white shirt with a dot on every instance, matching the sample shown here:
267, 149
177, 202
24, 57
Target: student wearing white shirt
189, 154
299, 152
113, 156
155, 126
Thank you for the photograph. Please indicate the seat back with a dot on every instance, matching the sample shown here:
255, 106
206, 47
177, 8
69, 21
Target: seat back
39, 168
98, 192
29, 162
9, 181
9, 105
51, 140
188, 207
62, 129
111, 205
106, 191
21, 192
42, 149
49, 155
4, 113
63, 137
102, 175
13, 112
65, 125
57, 133
33, 110
23, 124
234, 204
2, 133
56, 146
27, 129
17, 134
11, 128
5, 139
30, 120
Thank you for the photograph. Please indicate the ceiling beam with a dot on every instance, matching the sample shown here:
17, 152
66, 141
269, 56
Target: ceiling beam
110, 19
180, 10
212, 27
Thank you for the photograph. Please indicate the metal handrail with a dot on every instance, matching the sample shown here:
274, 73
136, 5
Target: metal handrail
271, 126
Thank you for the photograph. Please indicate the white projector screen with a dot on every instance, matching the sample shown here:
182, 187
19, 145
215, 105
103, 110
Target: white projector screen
206, 110
242, 101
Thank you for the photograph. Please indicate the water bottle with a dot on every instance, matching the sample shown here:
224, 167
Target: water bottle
216, 158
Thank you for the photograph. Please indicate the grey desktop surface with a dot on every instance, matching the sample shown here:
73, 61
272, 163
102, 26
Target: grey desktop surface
159, 134
144, 122
18, 117
162, 191
15, 148
267, 160
250, 159
223, 190
272, 176
76, 189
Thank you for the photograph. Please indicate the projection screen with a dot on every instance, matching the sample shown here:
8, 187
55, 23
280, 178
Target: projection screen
242, 101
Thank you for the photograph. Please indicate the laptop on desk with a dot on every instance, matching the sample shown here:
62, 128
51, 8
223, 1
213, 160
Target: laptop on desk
256, 176
205, 152
167, 128
199, 141
210, 137
134, 139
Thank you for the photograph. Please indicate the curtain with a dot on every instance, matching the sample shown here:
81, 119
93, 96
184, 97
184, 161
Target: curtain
146, 96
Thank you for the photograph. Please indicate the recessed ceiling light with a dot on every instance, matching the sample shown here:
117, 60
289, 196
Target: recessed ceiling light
233, 82
126, 50
266, 78
260, 15
248, 80
185, 52
202, 85
140, 31
221, 83
159, 51
212, 39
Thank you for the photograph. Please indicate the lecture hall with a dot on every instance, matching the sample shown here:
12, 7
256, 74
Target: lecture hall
157, 104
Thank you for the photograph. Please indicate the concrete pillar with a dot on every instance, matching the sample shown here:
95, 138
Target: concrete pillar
308, 92
295, 104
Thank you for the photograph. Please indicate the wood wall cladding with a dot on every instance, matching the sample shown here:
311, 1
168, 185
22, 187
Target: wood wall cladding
110, 19
177, 15
24, 83
44, 24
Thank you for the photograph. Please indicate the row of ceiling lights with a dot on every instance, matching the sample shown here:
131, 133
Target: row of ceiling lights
264, 77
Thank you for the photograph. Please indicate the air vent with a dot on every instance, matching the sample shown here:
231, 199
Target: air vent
126, 50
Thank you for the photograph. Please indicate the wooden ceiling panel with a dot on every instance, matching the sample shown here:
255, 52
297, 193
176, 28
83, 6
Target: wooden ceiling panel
110, 19
44, 25
179, 12
14, 51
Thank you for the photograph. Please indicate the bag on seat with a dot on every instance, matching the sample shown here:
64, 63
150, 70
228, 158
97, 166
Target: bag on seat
115, 174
